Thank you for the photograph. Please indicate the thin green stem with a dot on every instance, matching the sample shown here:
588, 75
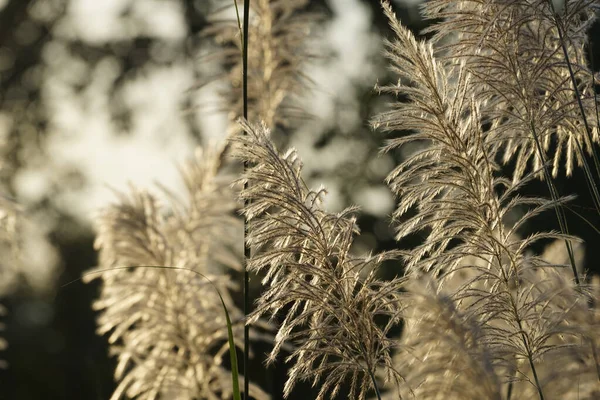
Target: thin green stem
531, 363
375, 386
239, 22
247, 252
593, 69
509, 390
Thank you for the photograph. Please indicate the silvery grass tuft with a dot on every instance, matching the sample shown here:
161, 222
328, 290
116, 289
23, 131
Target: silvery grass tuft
521, 76
167, 327
277, 56
514, 316
446, 356
327, 297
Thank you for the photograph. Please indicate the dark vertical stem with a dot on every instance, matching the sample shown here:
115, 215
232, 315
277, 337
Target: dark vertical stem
538, 385
592, 67
509, 391
375, 386
370, 370
560, 215
588, 173
246, 202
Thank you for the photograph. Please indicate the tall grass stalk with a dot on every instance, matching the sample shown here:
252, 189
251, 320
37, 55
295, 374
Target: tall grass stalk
247, 252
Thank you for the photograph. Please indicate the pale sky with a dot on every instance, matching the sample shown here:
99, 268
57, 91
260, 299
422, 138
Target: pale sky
82, 134
83, 137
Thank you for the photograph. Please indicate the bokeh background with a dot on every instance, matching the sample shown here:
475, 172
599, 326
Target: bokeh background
99, 94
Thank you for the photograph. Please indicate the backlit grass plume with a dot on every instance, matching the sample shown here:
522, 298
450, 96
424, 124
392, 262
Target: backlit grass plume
277, 55
522, 316
447, 356
529, 85
167, 326
327, 298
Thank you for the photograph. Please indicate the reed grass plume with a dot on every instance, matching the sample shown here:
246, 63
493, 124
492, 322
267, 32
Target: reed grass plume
521, 75
167, 327
327, 298
447, 357
278, 53
519, 306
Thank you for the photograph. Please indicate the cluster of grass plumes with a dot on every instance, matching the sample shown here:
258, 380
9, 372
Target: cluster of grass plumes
483, 315
521, 309
522, 76
164, 318
164, 321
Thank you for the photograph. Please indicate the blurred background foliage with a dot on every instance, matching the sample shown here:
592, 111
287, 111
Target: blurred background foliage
102, 93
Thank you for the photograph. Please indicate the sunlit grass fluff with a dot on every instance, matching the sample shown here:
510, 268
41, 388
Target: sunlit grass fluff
328, 299
519, 305
483, 316
164, 320
278, 54
522, 74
